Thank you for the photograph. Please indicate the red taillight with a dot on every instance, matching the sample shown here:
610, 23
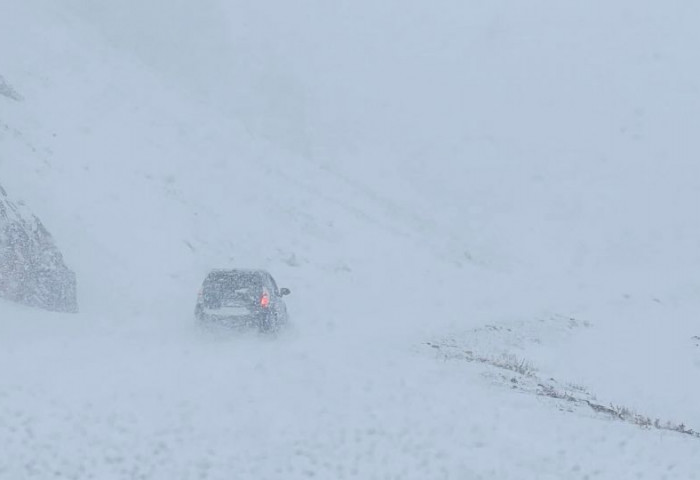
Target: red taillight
265, 300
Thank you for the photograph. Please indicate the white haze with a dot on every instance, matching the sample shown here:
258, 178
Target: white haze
412, 171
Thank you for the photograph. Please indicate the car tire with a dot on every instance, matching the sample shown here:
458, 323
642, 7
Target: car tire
266, 324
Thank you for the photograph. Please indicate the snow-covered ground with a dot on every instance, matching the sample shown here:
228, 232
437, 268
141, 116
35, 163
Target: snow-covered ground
488, 177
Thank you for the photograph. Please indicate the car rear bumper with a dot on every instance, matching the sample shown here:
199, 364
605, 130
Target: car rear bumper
256, 321
248, 321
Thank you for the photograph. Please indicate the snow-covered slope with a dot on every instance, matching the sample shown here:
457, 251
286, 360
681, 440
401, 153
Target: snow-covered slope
412, 173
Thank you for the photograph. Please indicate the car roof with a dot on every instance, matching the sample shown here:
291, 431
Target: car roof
238, 270
232, 272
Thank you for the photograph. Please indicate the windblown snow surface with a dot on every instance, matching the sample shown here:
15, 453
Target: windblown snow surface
474, 203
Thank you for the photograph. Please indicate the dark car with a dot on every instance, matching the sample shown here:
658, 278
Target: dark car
241, 299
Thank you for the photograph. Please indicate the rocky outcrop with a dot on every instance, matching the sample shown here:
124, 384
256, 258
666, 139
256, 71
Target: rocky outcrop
32, 270
6, 90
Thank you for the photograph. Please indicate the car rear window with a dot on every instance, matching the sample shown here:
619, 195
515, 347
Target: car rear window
231, 284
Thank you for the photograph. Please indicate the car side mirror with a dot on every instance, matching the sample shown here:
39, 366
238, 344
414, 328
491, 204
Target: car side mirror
285, 291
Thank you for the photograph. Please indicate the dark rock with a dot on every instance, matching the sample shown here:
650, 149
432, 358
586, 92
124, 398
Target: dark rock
32, 270
6, 90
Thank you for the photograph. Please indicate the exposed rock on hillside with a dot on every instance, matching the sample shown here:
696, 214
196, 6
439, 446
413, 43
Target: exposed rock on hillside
6, 90
32, 270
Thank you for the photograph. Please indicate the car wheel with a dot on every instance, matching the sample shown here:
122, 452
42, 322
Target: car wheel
267, 323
